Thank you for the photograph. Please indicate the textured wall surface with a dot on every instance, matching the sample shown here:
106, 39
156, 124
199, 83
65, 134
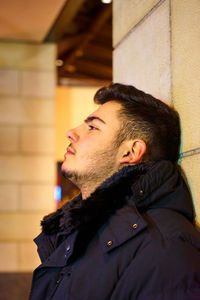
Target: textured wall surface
156, 48
143, 57
186, 68
127, 14
186, 88
27, 154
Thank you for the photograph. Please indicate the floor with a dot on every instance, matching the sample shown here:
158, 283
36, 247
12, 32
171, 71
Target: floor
15, 286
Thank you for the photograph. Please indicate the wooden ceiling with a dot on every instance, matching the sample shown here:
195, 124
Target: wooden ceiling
82, 30
83, 33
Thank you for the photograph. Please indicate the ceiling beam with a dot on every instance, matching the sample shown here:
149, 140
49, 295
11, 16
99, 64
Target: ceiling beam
95, 69
95, 27
68, 43
99, 51
83, 82
66, 16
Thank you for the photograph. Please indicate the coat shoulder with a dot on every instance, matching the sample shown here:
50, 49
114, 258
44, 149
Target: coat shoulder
174, 240
168, 264
171, 224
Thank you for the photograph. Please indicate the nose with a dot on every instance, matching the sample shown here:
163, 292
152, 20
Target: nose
72, 136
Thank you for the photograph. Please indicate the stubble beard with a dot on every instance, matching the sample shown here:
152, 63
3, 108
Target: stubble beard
99, 167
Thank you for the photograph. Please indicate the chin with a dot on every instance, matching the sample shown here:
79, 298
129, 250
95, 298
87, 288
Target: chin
64, 168
66, 172
65, 165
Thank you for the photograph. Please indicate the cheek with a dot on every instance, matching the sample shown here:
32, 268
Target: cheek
87, 143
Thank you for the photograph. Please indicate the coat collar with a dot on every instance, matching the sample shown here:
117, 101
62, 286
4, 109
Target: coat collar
145, 185
110, 236
113, 211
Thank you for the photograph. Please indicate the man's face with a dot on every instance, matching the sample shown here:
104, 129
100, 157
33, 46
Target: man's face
92, 154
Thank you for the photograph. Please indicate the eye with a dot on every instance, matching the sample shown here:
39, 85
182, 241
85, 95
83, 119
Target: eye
91, 128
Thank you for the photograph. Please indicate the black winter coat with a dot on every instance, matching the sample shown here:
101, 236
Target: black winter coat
132, 239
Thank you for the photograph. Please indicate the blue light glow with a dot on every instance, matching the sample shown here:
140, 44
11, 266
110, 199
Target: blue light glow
58, 193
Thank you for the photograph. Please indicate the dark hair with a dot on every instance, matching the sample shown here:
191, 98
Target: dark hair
145, 117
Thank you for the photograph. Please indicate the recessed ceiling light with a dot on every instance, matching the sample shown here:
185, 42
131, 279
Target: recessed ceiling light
106, 1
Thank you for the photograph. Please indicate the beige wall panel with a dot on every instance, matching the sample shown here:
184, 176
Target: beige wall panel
9, 197
28, 256
20, 226
186, 68
27, 56
27, 168
9, 82
127, 14
27, 176
37, 197
37, 84
26, 111
9, 139
37, 140
8, 257
73, 105
143, 59
191, 166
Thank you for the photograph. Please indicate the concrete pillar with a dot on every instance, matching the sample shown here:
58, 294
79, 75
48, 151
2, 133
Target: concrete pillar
27, 177
156, 48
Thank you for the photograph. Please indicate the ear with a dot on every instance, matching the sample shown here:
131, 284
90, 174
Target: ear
135, 149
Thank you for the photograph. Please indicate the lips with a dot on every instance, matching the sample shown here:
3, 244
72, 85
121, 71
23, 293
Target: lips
70, 150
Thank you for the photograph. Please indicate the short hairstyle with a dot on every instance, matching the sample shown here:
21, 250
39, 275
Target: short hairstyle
146, 118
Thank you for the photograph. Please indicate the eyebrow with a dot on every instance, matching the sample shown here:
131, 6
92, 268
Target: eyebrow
92, 118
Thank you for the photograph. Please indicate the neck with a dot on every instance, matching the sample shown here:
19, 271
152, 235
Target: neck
86, 193
88, 183
88, 188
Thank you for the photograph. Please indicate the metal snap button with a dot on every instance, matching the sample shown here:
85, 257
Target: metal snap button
109, 243
135, 226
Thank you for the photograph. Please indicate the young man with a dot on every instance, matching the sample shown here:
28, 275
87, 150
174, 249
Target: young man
130, 233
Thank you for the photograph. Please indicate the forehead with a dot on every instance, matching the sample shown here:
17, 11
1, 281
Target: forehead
108, 112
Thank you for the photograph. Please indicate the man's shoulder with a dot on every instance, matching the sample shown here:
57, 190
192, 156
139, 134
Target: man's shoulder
173, 236
164, 255
170, 223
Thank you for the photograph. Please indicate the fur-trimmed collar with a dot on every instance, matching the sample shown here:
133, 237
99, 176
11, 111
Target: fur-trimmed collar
143, 185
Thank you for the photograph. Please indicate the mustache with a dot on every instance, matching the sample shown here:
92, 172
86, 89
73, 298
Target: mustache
71, 146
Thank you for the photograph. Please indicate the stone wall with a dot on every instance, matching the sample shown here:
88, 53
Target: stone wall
27, 176
156, 48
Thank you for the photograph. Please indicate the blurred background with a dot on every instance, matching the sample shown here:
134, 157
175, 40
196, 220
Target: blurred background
54, 55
